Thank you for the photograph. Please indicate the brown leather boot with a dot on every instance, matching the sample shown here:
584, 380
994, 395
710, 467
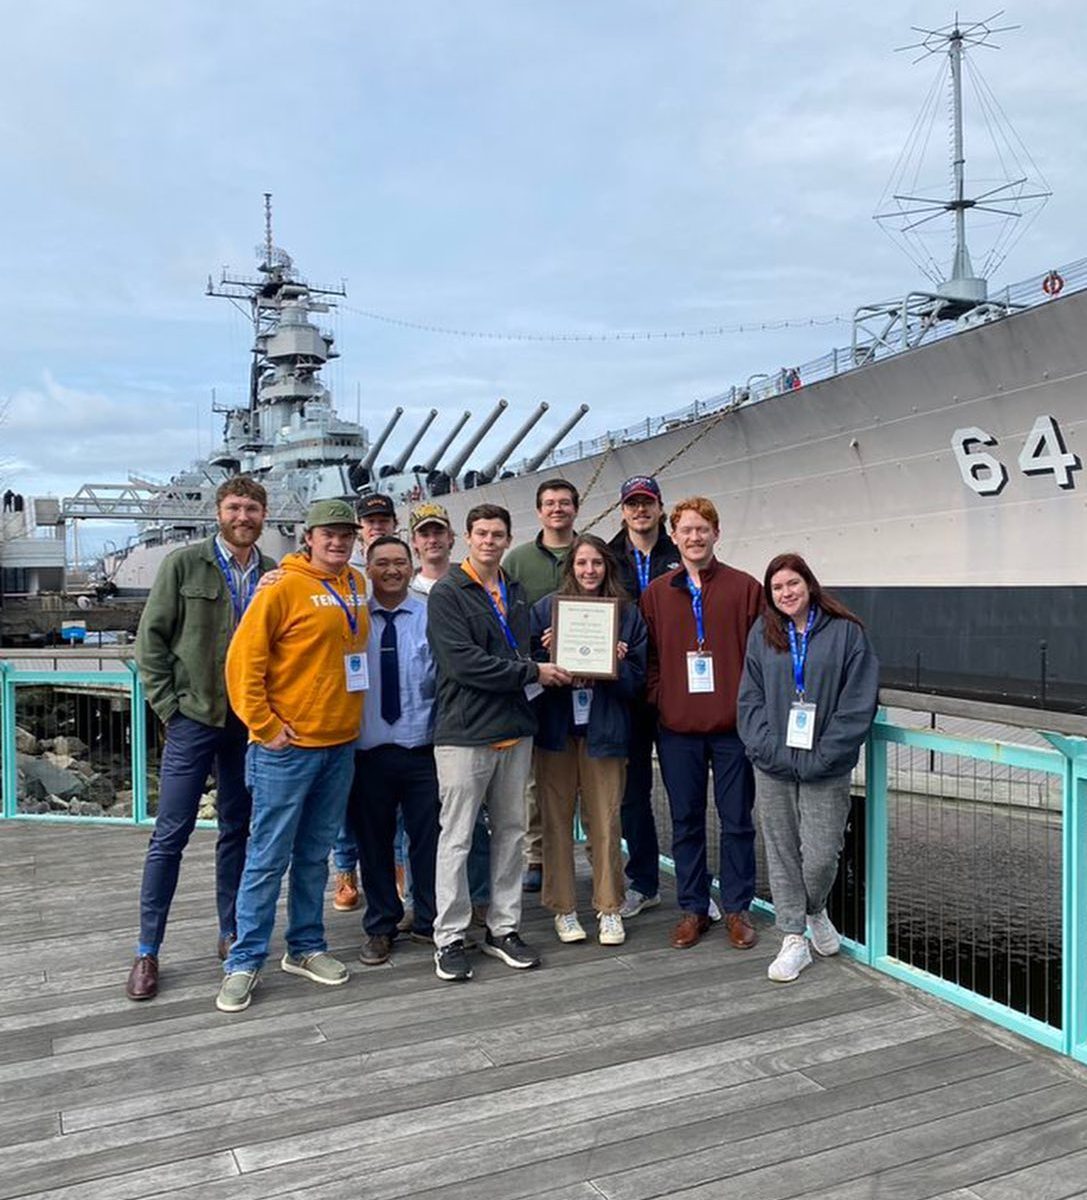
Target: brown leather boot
346, 898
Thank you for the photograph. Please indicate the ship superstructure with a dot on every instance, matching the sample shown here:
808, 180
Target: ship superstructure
288, 436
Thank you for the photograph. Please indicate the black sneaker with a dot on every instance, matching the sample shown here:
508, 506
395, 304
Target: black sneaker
511, 950
450, 962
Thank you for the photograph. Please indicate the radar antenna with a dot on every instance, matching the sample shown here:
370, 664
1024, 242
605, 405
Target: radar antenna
269, 245
1022, 191
909, 211
271, 257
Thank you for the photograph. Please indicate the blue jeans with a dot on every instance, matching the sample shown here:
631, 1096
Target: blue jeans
392, 780
299, 800
636, 814
187, 758
685, 760
345, 851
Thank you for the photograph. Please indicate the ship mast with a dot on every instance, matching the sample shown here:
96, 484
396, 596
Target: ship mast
962, 270
266, 296
962, 295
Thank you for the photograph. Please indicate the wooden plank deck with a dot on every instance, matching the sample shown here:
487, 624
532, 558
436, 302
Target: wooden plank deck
627, 1073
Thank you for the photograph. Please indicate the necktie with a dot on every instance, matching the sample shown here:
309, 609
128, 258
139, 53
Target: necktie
390, 670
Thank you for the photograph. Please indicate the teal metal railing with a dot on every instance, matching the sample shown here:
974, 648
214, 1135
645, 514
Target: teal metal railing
122, 688
1064, 1026
932, 812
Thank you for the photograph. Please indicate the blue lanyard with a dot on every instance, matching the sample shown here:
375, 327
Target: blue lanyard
641, 562
800, 654
504, 592
696, 607
240, 603
352, 617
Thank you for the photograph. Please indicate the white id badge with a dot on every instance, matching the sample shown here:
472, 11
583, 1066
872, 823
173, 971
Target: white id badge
357, 672
583, 702
699, 672
800, 734
532, 690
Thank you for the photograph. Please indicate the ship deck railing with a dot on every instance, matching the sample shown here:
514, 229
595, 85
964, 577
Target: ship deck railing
964, 872
1029, 293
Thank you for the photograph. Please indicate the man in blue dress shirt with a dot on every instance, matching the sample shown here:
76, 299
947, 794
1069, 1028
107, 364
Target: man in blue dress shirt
394, 757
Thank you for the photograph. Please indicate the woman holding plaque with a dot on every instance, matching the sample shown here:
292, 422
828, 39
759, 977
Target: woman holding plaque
807, 699
584, 732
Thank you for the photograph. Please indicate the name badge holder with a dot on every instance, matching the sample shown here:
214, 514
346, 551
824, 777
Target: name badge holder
699, 672
582, 699
355, 667
800, 731
700, 661
357, 672
800, 734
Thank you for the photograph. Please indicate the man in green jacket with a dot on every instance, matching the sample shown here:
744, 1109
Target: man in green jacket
196, 601
537, 567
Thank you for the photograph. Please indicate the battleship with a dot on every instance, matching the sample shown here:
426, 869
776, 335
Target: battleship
930, 471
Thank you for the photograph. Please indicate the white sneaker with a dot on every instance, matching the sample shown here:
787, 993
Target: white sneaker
568, 927
714, 913
825, 939
611, 932
635, 902
792, 958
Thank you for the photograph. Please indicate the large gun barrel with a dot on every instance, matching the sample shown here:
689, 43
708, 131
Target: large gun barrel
431, 463
454, 468
534, 462
402, 459
495, 465
371, 458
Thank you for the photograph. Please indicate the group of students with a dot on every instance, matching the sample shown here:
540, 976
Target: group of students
336, 702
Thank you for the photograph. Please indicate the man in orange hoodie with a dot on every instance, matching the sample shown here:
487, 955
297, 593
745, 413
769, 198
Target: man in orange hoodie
296, 673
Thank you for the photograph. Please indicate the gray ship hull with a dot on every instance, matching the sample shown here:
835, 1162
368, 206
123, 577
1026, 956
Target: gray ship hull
860, 474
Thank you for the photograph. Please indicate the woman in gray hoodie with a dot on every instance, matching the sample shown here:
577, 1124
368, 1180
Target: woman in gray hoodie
807, 698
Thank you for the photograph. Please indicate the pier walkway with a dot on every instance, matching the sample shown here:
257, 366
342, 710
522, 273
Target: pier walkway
628, 1073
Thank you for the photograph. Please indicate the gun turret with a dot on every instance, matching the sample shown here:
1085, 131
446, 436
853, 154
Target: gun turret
454, 468
432, 463
402, 459
487, 473
534, 462
371, 458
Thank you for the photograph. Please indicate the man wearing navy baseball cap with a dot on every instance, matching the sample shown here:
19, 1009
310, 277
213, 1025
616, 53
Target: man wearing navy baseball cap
643, 551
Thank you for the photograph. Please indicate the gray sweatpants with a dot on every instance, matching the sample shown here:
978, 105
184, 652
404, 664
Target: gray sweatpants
468, 776
803, 827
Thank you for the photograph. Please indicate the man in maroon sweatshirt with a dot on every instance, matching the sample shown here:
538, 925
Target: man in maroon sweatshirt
699, 616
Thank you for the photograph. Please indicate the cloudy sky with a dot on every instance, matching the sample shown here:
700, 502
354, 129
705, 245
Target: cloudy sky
506, 166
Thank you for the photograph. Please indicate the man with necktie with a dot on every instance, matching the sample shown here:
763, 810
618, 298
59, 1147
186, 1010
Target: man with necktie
394, 755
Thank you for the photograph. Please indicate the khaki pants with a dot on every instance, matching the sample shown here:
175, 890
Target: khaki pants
468, 777
560, 775
533, 833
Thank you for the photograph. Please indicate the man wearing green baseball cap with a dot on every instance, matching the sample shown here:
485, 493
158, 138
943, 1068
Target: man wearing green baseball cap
296, 673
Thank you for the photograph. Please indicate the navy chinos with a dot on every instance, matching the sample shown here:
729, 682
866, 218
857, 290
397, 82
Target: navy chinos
639, 825
388, 777
685, 760
192, 749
